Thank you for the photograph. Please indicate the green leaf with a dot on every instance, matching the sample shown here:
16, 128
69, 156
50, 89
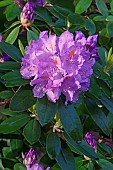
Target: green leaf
19, 166
82, 6
45, 110
110, 28
7, 112
16, 146
10, 65
58, 31
105, 164
43, 13
81, 147
75, 19
65, 159
13, 35
110, 120
53, 145
99, 18
97, 115
21, 47
104, 37
107, 103
14, 78
22, 100
32, 131
70, 121
102, 7
12, 11
109, 18
90, 26
14, 123
31, 36
6, 94
5, 3
12, 51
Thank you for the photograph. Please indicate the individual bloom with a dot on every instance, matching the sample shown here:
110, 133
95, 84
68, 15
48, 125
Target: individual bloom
35, 3
58, 65
19, 3
27, 15
89, 43
90, 140
30, 161
0, 38
30, 157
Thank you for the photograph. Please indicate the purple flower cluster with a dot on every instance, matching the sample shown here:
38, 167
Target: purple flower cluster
60, 64
3, 55
90, 140
35, 3
19, 3
30, 161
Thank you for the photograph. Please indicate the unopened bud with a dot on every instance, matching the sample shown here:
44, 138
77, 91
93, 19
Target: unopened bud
27, 15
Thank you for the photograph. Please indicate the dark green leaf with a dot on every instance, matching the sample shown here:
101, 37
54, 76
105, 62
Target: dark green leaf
21, 47
13, 35
9, 65
102, 7
42, 12
81, 147
82, 6
70, 121
6, 94
31, 36
7, 112
75, 19
45, 110
109, 18
53, 145
19, 166
107, 103
97, 115
32, 131
22, 100
105, 164
110, 28
65, 159
104, 37
14, 78
5, 3
58, 31
14, 123
90, 26
12, 11
110, 120
12, 51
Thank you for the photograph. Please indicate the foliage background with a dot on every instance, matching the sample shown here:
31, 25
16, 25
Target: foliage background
20, 129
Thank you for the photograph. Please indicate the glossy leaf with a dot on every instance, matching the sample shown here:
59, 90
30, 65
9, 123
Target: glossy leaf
12, 51
90, 26
70, 121
13, 35
65, 159
82, 6
32, 131
97, 115
102, 7
53, 145
110, 28
45, 110
81, 147
9, 65
14, 78
105, 164
31, 36
22, 100
19, 166
14, 123
6, 94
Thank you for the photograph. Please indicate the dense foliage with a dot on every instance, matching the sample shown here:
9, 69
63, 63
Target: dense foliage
56, 84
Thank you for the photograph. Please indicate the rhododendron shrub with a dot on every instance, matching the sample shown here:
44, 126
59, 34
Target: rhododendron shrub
56, 85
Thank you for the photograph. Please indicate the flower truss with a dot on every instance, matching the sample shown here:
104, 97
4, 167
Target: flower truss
60, 65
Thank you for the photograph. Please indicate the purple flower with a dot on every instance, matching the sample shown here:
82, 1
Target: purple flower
58, 65
35, 3
30, 161
3, 55
27, 15
90, 140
